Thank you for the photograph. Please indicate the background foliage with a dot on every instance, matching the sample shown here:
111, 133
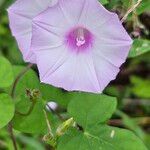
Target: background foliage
118, 121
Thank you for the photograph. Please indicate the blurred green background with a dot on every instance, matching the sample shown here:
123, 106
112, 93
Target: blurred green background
132, 86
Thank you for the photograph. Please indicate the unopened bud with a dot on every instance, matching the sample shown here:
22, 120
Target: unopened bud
64, 127
33, 94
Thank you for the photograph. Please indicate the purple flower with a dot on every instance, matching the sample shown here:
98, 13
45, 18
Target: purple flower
79, 45
21, 14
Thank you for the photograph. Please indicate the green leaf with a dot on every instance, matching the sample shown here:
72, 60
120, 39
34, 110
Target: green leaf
126, 4
30, 142
95, 108
118, 138
28, 81
112, 91
14, 54
130, 124
100, 138
6, 109
143, 7
95, 135
140, 46
6, 73
146, 140
57, 95
103, 2
34, 122
141, 87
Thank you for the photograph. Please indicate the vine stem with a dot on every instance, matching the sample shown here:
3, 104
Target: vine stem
10, 130
28, 112
47, 122
10, 126
18, 78
131, 9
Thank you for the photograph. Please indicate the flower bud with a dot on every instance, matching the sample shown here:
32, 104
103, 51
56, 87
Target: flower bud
64, 127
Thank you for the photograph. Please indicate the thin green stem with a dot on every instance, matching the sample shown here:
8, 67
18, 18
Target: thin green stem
10, 126
28, 112
18, 78
47, 122
12, 136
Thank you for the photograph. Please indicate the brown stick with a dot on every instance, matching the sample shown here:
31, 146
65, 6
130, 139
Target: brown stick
131, 9
142, 121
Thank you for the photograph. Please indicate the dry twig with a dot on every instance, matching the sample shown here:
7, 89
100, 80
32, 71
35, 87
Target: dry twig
131, 9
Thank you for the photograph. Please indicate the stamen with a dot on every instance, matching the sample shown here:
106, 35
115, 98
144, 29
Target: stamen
80, 40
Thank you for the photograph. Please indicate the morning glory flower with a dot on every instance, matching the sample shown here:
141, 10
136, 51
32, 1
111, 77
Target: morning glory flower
20, 15
79, 45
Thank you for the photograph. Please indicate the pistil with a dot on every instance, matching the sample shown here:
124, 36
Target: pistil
80, 40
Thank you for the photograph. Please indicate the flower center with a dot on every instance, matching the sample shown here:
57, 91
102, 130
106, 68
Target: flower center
79, 39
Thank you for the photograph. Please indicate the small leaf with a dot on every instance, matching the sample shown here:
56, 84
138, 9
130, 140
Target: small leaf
140, 46
95, 108
6, 73
6, 109
143, 7
103, 2
141, 87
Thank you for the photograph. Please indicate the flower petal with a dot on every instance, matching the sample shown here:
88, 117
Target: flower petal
105, 71
53, 17
72, 9
62, 12
21, 14
44, 39
112, 41
24, 47
71, 71
113, 53
50, 59
94, 14
112, 29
